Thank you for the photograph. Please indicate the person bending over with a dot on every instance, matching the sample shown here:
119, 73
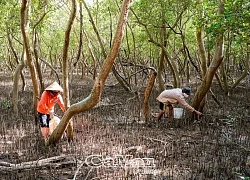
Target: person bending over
174, 96
50, 97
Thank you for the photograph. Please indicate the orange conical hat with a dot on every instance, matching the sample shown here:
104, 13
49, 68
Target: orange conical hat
54, 87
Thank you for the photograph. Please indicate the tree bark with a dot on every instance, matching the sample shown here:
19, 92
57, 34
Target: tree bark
36, 51
16, 77
161, 58
224, 77
95, 95
65, 65
91, 53
209, 73
119, 78
17, 73
24, 30
202, 51
40, 163
146, 107
37, 64
79, 52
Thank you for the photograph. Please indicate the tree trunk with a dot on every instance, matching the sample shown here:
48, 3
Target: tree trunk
91, 53
38, 67
224, 77
146, 107
79, 52
65, 65
52, 69
208, 73
245, 73
207, 80
168, 57
134, 53
121, 80
219, 81
202, 52
160, 71
161, 58
16, 76
95, 95
36, 51
24, 29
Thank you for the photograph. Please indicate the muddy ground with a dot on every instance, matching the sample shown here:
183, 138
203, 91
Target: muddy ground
112, 142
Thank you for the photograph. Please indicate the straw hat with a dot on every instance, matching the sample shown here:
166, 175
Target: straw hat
54, 87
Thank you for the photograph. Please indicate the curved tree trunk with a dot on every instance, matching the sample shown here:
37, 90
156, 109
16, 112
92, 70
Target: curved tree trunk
95, 95
65, 65
245, 73
207, 79
16, 76
24, 29
209, 73
119, 78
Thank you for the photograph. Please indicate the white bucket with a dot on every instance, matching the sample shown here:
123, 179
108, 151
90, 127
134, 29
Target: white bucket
178, 113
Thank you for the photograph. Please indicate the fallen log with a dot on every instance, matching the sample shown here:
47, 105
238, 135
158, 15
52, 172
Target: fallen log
56, 161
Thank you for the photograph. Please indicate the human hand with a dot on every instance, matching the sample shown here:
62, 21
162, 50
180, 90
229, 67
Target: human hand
198, 112
51, 114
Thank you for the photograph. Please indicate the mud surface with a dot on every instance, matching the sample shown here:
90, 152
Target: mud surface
112, 142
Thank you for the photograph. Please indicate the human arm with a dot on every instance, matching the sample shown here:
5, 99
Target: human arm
60, 103
190, 108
